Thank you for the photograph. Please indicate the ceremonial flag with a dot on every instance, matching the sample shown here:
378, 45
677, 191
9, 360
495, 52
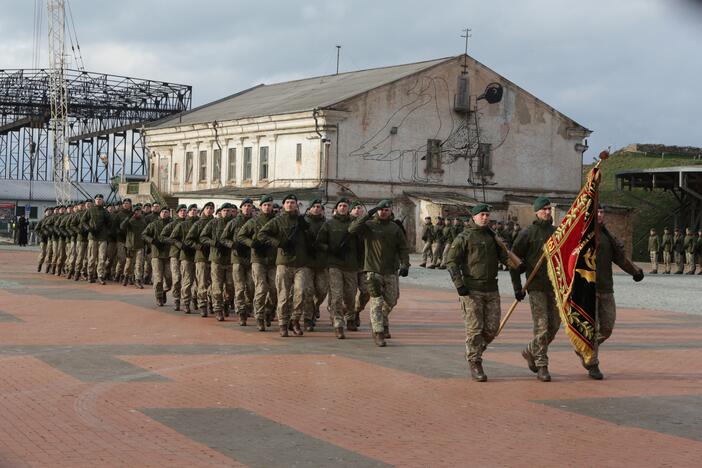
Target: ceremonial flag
570, 255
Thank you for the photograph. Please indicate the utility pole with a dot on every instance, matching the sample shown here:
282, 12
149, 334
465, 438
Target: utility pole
338, 50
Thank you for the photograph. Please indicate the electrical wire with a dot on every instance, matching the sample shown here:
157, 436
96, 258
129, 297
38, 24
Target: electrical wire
77, 53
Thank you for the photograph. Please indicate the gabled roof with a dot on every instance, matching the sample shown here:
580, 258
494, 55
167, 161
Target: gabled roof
298, 95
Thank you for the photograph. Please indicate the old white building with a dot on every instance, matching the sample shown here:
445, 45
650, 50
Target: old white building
420, 133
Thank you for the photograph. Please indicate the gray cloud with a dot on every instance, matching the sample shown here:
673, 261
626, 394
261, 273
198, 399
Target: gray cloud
627, 69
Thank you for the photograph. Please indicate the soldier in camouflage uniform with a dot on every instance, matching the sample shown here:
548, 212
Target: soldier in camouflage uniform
174, 254
386, 257
97, 222
124, 213
341, 249
84, 243
690, 245
219, 257
439, 243
654, 245
678, 251
202, 252
133, 228
150, 216
529, 246
363, 295
667, 248
318, 263
111, 261
428, 239
42, 231
244, 288
263, 258
288, 232
188, 289
160, 263
59, 240
473, 263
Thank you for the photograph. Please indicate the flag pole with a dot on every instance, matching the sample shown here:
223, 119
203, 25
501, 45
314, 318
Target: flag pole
526, 285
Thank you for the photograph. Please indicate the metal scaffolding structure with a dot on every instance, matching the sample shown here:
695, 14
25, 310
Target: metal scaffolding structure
105, 118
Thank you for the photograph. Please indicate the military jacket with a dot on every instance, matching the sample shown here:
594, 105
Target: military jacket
210, 235
610, 250
119, 218
152, 236
288, 233
40, 229
338, 245
133, 229
448, 234
667, 243
261, 253
240, 252
98, 223
473, 259
439, 233
384, 243
180, 230
654, 244
690, 244
428, 233
529, 246
678, 243
192, 239
173, 250
317, 259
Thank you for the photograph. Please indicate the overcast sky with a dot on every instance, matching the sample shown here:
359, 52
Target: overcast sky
630, 70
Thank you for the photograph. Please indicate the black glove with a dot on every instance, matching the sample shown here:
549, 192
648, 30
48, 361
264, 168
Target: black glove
521, 268
639, 276
258, 246
519, 294
373, 211
302, 224
462, 290
287, 245
404, 271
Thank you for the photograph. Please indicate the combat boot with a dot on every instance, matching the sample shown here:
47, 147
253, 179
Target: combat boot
220, 316
284, 331
101, 280
226, 309
339, 332
431, 267
386, 332
176, 306
309, 325
594, 372
76, 277
297, 331
476, 371
69, 275
124, 281
139, 285
203, 311
242, 319
39, 268
186, 308
130, 280
358, 319
163, 297
379, 338
159, 300
260, 324
351, 326
542, 374
92, 279
653, 272
530, 360
423, 265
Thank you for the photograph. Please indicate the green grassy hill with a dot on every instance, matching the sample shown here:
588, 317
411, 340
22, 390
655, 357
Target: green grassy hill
651, 209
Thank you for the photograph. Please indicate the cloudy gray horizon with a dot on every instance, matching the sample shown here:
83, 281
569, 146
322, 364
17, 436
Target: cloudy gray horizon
629, 70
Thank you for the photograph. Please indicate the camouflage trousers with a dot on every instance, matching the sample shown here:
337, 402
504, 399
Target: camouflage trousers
147, 263
188, 287
679, 261
45, 254
438, 253
265, 294
654, 260
121, 263
690, 262
384, 292
70, 255
444, 255
294, 285
202, 276
81, 265
544, 314
320, 283
162, 275
427, 253
97, 258
667, 261
342, 296
111, 261
243, 289
481, 315
134, 265
362, 296
59, 253
221, 286
176, 277
606, 316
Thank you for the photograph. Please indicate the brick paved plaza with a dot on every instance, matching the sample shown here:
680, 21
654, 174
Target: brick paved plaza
99, 376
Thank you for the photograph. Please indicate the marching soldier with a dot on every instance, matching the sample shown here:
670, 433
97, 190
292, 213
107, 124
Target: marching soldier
293, 277
174, 254
188, 289
220, 258
386, 257
202, 252
428, 239
263, 268
529, 246
473, 264
111, 261
667, 248
59, 236
449, 236
678, 250
241, 262
341, 249
690, 245
439, 243
41, 229
318, 264
97, 222
124, 213
654, 245
133, 228
150, 216
610, 250
160, 264
363, 295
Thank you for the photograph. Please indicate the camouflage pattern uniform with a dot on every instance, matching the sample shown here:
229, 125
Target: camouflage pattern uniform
428, 239
244, 288
320, 275
160, 264
221, 284
690, 245
202, 266
188, 289
667, 247
133, 228
678, 250
654, 245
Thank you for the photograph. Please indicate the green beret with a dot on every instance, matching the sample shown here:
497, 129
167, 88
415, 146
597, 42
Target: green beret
480, 208
180, 207
137, 207
384, 204
165, 208
226, 206
266, 199
127, 200
147, 204
193, 206
210, 204
99, 195
245, 201
316, 201
541, 202
342, 200
355, 203
290, 196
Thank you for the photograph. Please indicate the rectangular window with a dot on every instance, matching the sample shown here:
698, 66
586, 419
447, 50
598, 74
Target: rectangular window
189, 166
176, 172
298, 153
203, 166
433, 156
216, 165
247, 163
263, 163
231, 162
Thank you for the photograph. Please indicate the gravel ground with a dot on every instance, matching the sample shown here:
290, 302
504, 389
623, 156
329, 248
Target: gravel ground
676, 293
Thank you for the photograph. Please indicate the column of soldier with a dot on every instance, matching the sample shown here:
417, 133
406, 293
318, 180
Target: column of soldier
685, 251
269, 264
254, 262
